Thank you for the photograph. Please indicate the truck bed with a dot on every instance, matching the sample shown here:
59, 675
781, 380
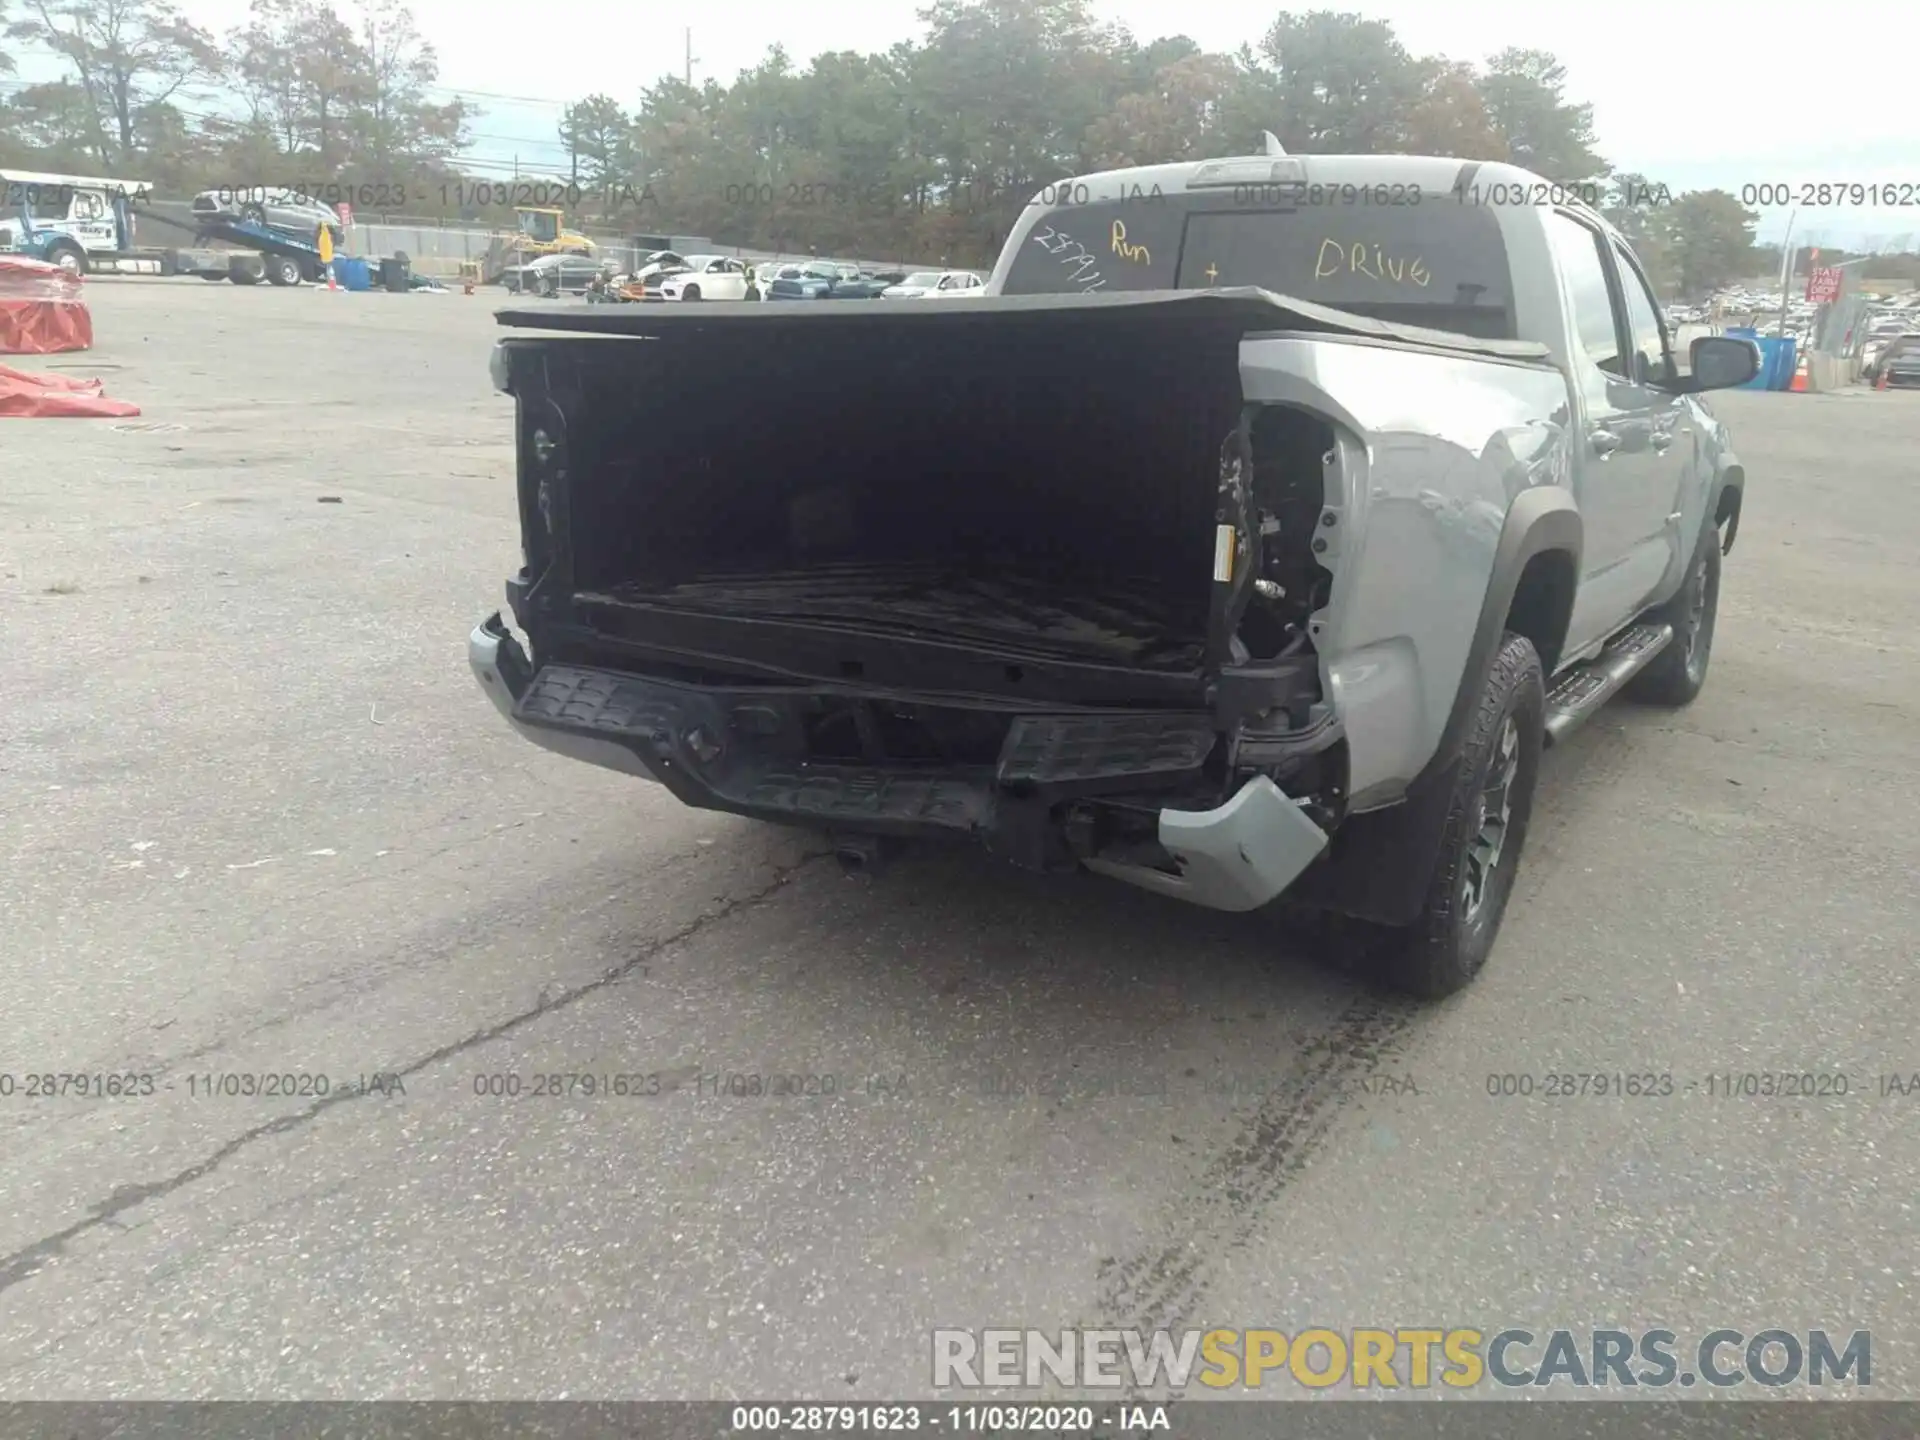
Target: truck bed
1037, 494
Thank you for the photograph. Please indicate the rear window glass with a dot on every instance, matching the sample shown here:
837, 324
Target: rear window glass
1440, 264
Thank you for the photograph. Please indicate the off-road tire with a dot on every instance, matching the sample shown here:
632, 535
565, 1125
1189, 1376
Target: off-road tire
1443, 950
1679, 672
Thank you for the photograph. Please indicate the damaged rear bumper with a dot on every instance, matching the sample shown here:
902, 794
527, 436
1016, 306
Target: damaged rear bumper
734, 750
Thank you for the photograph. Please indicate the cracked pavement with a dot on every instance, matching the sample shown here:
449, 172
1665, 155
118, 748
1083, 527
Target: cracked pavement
259, 821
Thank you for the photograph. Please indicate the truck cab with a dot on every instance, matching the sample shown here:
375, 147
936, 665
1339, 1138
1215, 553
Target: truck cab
67, 219
1482, 250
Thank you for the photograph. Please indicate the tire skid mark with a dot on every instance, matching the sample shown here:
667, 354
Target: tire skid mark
1226, 1208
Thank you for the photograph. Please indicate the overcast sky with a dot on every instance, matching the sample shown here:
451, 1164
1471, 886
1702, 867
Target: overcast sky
1698, 94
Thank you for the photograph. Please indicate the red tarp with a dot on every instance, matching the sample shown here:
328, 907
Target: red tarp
41, 312
24, 396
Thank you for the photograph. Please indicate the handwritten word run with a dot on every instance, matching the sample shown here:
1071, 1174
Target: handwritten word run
1126, 249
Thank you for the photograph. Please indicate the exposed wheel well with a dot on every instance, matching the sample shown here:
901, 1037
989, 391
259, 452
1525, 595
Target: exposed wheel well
1543, 604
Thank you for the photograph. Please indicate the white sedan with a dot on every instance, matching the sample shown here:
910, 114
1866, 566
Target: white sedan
707, 277
924, 284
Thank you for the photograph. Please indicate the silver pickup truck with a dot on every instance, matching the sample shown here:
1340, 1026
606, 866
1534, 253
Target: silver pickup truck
1249, 537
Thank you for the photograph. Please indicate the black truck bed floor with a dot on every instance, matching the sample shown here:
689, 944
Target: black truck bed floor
1112, 620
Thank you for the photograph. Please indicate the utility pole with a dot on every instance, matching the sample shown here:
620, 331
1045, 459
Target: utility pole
689, 57
1786, 267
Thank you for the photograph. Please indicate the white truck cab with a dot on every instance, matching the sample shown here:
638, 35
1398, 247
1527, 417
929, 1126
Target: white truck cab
67, 219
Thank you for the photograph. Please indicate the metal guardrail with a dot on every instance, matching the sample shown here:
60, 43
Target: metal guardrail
440, 250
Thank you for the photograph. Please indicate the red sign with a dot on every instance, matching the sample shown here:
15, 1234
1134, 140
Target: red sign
1823, 285
346, 212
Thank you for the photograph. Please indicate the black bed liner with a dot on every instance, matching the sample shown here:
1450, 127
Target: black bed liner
1252, 310
1107, 617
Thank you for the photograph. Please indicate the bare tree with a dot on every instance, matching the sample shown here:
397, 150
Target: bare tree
395, 118
129, 57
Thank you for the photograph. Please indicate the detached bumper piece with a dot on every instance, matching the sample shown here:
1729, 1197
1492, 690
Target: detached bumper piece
754, 751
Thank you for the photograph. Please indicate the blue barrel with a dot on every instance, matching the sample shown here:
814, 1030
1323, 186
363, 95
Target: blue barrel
1786, 360
353, 272
1769, 362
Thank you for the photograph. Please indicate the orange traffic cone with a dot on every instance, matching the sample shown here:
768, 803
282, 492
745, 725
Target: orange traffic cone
1799, 384
1881, 383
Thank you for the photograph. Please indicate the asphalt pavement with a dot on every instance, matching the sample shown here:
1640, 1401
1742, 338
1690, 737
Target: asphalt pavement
257, 820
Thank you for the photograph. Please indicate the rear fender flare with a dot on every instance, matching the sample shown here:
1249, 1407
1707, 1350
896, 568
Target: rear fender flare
1381, 861
1541, 520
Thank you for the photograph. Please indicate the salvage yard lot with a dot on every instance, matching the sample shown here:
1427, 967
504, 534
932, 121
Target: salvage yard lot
257, 817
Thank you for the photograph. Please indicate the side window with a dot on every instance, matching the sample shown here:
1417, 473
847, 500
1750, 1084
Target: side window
1650, 356
1578, 250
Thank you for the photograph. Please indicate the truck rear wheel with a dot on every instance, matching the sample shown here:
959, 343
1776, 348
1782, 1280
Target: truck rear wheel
1485, 830
282, 270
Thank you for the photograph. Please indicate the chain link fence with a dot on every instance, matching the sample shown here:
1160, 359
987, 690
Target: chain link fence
440, 250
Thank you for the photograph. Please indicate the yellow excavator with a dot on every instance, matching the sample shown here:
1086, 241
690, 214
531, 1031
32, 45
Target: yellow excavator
540, 232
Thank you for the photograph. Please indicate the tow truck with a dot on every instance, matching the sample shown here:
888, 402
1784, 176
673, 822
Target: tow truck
87, 224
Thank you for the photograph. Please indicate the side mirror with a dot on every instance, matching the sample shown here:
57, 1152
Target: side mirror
1719, 362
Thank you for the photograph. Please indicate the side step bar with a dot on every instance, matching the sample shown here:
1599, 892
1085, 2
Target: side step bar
1578, 694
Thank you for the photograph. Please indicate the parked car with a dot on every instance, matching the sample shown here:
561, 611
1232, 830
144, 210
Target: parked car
269, 205
641, 283
1451, 523
766, 272
922, 283
654, 279
827, 280
707, 277
553, 275
1898, 361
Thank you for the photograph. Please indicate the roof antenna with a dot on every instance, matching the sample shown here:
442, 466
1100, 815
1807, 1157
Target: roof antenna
1274, 147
